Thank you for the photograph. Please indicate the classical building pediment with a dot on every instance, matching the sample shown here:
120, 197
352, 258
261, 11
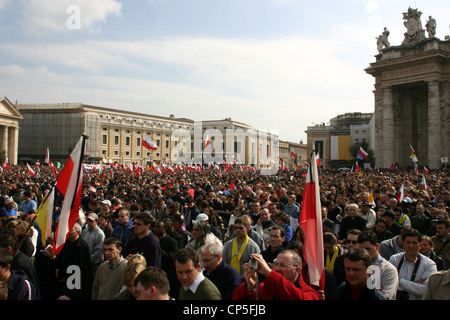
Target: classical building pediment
8, 110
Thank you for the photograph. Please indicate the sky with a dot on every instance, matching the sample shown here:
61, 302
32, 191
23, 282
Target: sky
278, 65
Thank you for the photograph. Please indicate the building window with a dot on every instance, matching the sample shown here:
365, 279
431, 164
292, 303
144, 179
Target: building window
138, 142
138, 153
105, 153
127, 153
167, 144
127, 141
105, 139
116, 153
116, 140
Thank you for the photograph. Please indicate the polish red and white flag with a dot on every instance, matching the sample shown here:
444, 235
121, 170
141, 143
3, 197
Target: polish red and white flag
69, 183
311, 222
148, 143
30, 170
207, 141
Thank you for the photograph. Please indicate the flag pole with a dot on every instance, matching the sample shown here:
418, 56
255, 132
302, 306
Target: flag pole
83, 142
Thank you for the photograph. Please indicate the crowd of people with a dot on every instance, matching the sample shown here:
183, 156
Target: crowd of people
228, 235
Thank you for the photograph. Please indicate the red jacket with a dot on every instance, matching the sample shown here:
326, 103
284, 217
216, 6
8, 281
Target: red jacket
276, 286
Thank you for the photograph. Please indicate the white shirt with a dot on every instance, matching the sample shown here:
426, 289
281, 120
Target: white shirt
370, 216
194, 285
425, 269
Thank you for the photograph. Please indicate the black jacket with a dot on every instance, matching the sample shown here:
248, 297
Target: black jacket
343, 292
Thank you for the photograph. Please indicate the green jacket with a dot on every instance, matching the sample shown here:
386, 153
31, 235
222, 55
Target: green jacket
206, 290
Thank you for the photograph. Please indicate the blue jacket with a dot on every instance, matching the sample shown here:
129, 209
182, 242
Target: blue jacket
122, 232
292, 210
226, 279
20, 287
29, 205
9, 213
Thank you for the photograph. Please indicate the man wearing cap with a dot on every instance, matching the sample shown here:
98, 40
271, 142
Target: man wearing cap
406, 203
368, 214
8, 210
401, 218
174, 225
389, 217
105, 206
94, 237
214, 229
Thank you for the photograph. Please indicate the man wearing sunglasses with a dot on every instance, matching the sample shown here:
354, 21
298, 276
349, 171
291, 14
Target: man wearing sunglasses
237, 251
144, 242
350, 243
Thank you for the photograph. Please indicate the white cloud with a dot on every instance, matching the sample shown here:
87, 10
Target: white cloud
272, 84
44, 17
4, 3
20, 75
371, 6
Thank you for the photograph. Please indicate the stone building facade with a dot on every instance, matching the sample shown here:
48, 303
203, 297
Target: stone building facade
412, 98
332, 141
9, 130
116, 136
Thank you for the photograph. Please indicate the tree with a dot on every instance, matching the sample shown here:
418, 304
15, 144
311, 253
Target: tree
354, 148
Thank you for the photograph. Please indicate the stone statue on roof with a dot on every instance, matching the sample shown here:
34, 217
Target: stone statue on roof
382, 40
431, 27
414, 31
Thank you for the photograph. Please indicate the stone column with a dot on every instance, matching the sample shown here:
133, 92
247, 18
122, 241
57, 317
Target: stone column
445, 118
378, 115
388, 128
13, 144
4, 140
434, 125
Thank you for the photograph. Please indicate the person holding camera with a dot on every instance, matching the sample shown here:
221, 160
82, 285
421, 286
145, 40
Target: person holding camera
283, 282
